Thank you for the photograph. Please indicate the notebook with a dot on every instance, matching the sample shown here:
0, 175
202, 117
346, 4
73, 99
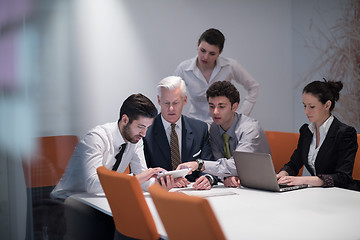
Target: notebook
256, 170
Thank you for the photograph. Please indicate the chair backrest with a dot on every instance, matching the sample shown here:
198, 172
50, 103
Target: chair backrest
185, 217
47, 165
131, 214
282, 145
356, 171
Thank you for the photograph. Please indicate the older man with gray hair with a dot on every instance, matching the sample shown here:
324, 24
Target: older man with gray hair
174, 138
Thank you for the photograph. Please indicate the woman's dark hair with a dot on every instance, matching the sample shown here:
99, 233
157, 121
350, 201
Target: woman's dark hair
213, 37
137, 105
223, 89
324, 91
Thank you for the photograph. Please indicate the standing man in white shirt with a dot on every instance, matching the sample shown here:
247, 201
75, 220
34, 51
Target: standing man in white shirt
209, 67
101, 146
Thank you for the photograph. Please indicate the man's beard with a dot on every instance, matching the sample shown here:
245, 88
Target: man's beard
127, 134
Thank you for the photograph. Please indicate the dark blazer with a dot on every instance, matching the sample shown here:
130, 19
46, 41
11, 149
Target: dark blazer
195, 139
335, 160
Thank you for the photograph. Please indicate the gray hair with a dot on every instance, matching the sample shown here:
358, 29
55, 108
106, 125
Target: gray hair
172, 82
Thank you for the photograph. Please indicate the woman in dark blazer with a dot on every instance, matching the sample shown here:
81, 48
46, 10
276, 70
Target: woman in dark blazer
326, 146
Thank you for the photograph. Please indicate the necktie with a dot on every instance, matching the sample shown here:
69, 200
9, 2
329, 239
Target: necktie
227, 153
174, 147
119, 156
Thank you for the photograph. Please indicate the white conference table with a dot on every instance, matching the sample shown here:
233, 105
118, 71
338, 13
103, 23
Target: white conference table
311, 213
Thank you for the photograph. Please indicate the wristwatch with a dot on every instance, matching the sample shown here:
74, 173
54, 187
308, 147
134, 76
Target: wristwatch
200, 162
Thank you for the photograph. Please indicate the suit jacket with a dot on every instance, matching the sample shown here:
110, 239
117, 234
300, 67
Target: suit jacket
335, 160
195, 144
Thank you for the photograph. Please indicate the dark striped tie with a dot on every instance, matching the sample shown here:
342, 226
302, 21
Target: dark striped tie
174, 147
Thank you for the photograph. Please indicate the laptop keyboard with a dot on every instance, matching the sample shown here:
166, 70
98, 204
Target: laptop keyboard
284, 187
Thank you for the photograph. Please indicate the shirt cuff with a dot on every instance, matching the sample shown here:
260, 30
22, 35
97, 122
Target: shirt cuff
210, 178
327, 179
210, 167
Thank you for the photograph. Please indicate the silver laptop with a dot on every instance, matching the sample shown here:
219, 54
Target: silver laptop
256, 170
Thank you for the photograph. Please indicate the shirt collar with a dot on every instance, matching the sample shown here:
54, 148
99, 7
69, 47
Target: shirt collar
324, 128
220, 62
168, 125
118, 138
192, 65
231, 130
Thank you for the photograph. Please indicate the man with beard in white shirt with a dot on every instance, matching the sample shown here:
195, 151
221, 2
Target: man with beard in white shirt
101, 146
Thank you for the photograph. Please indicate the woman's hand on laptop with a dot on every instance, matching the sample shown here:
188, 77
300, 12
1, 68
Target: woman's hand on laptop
292, 180
314, 181
232, 181
281, 174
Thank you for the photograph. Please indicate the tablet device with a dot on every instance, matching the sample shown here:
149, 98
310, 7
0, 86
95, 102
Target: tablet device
175, 173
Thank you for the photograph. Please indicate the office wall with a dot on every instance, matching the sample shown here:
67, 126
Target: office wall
313, 31
93, 55
96, 54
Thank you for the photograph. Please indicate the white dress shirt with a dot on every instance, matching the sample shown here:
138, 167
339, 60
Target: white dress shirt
246, 135
98, 148
226, 69
313, 150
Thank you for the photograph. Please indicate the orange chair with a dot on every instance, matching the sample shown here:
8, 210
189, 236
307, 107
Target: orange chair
127, 170
47, 165
356, 171
185, 217
282, 145
42, 172
130, 211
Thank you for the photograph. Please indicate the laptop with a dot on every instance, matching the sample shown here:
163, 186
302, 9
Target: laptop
256, 170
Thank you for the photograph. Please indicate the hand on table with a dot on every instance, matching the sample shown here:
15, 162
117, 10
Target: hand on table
181, 182
232, 181
202, 183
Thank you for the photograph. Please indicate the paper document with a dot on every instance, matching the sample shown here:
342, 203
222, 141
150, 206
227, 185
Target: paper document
213, 192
